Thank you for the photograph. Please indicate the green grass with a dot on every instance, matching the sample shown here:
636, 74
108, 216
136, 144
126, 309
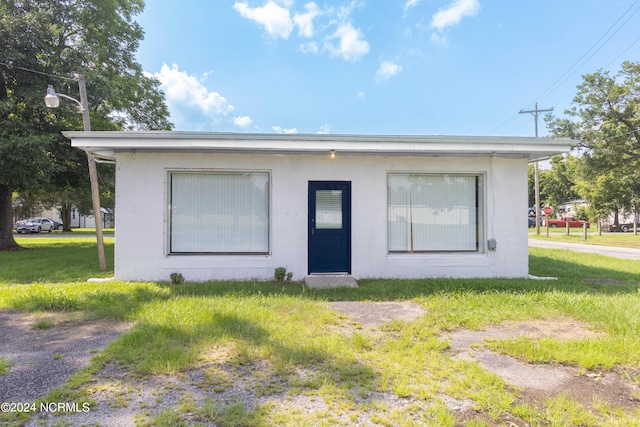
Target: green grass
273, 332
54, 260
5, 365
625, 240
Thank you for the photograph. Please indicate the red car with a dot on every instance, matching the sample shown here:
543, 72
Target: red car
573, 222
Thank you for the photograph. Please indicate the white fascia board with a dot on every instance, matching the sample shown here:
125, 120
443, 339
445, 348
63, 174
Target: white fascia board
106, 144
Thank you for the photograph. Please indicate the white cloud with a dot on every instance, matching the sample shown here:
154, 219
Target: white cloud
184, 91
275, 19
337, 36
345, 11
311, 47
325, 129
351, 45
409, 4
454, 13
387, 69
279, 129
242, 121
304, 21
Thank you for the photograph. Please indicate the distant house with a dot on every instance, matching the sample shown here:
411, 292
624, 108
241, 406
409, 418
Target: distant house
236, 206
570, 207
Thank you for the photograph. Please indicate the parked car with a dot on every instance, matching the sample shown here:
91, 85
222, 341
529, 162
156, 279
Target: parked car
57, 225
573, 222
34, 225
623, 227
532, 222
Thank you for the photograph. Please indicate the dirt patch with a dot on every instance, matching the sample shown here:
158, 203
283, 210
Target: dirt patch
537, 382
540, 381
374, 314
45, 350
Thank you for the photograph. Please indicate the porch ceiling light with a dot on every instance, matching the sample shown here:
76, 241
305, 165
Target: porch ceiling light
332, 154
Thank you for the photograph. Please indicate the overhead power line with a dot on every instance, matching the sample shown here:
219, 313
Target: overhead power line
10, 65
586, 56
582, 60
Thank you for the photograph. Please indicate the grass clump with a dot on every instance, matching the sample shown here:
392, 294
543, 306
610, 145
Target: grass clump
5, 365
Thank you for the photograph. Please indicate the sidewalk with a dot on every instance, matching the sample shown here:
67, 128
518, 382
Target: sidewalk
612, 251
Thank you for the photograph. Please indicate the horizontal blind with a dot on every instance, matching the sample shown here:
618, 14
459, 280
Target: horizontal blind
219, 212
435, 212
329, 209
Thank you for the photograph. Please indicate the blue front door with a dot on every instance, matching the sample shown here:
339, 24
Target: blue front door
329, 227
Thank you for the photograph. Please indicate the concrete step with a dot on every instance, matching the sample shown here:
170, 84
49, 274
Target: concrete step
327, 281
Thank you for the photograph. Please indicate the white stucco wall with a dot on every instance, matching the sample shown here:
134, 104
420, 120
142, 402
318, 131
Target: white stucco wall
142, 206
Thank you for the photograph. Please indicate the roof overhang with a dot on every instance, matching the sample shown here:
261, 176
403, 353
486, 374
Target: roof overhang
108, 144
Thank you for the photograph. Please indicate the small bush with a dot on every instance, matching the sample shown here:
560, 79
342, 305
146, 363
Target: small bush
176, 278
279, 274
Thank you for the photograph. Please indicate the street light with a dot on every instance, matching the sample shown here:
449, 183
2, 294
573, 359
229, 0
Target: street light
52, 100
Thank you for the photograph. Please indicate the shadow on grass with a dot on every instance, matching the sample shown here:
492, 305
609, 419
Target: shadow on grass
167, 348
576, 273
97, 301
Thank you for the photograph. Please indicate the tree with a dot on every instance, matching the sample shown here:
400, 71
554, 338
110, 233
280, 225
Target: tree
96, 38
561, 180
606, 119
543, 176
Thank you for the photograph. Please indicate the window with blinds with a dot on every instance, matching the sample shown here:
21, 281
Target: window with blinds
434, 213
219, 212
329, 209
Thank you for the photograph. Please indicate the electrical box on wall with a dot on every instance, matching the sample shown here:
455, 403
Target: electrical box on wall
491, 244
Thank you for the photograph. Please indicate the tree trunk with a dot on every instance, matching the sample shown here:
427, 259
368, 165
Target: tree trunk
66, 216
7, 242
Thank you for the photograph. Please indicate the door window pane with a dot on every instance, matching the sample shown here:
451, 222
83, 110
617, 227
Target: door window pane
329, 209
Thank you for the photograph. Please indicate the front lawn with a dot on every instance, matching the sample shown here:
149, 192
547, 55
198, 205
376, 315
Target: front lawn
294, 345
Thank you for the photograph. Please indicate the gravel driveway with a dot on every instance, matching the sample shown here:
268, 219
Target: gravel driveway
43, 359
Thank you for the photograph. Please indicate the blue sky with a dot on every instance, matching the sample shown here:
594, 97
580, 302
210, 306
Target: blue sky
389, 67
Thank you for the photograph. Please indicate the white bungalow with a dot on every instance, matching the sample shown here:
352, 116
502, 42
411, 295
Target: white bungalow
217, 206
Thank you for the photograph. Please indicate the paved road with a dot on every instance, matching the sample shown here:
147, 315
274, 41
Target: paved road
611, 251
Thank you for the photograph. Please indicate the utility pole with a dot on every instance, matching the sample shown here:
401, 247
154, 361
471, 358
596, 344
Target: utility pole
52, 101
535, 114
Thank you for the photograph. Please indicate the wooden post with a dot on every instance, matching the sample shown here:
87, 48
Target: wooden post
547, 224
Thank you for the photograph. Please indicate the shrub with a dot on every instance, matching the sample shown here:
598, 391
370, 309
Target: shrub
176, 278
279, 274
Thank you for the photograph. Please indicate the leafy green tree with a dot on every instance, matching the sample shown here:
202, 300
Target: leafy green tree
95, 38
561, 180
543, 176
606, 118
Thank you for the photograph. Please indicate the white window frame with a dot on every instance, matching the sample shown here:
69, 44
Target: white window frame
479, 217
171, 222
